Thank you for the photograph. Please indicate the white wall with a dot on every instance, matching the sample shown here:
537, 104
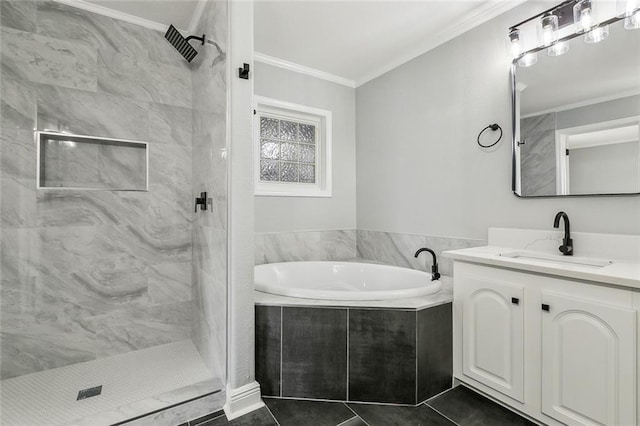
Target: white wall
419, 169
282, 214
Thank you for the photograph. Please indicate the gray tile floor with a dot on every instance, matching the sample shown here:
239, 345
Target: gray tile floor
459, 406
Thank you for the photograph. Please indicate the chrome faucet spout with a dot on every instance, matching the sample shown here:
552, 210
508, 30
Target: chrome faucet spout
435, 275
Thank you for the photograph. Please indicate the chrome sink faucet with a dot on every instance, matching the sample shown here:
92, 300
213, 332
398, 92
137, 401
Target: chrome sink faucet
567, 243
435, 275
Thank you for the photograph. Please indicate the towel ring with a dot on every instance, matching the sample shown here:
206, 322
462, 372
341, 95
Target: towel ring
494, 127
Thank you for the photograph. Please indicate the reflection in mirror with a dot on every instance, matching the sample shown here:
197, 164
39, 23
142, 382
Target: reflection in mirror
577, 119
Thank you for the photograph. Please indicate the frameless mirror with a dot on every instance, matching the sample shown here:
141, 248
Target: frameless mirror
576, 119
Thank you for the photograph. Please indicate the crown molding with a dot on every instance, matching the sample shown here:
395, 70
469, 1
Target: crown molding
115, 14
291, 66
472, 19
195, 18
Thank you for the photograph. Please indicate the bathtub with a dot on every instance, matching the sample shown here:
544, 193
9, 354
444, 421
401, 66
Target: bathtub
343, 281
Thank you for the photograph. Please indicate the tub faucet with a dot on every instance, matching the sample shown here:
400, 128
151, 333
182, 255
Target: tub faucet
435, 275
567, 243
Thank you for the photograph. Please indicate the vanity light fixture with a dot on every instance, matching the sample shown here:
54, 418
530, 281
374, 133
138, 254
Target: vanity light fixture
597, 34
514, 40
559, 24
548, 29
559, 48
528, 59
632, 22
584, 15
630, 11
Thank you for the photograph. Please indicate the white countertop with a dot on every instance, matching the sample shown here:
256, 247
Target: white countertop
624, 273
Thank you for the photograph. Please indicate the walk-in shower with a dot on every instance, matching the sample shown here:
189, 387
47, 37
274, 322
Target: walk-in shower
113, 291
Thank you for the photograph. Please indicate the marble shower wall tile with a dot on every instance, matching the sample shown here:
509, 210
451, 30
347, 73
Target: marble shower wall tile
57, 302
17, 120
51, 345
305, 246
399, 249
391, 249
143, 79
94, 114
171, 125
21, 210
209, 173
169, 283
18, 104
91, 208
77, 167
88, 274
39, 348
18, 14
46, 60
60, 21
538, 154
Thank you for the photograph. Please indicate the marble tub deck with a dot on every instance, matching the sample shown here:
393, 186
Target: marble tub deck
445, 295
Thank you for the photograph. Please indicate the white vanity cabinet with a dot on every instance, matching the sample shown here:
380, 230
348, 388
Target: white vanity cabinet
563, 351
493, 333
588, 353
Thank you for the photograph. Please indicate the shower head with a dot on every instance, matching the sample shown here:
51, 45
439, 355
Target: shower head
182, 44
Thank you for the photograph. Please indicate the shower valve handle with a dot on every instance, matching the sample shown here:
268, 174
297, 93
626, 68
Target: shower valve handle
201, 201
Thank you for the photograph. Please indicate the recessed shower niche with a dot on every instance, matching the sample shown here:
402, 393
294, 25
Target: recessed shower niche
67, 161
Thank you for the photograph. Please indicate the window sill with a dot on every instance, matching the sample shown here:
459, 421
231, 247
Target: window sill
318, 193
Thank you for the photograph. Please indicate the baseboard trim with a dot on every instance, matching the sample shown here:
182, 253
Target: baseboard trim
242, 400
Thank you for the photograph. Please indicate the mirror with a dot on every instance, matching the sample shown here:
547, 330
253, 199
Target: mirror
577, 119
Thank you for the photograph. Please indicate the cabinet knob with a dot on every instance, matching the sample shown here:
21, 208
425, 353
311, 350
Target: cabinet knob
515, 300
545, 307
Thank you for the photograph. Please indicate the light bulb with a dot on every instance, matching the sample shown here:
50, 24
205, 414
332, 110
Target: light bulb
585, 19
548, 30
626, 8
632, 22
558, 49
583, 15
514, 40
528, 60
597, 34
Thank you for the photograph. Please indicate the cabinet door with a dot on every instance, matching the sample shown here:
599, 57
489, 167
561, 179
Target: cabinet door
493, 334
588, 361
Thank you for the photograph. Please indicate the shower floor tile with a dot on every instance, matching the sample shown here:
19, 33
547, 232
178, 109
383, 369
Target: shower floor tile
133, 384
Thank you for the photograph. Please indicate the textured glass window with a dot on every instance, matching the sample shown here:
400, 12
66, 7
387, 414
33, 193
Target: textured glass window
287, 151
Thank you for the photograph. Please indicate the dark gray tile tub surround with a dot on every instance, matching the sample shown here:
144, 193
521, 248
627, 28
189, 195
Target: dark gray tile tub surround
435, 353
68, 69
377, 345
382, 356
314, 353
268, 348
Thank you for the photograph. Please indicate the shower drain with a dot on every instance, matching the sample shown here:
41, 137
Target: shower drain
89, 392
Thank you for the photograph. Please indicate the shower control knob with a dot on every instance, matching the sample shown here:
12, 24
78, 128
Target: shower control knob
201, 201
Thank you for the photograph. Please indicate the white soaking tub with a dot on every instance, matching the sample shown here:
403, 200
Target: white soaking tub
343, 281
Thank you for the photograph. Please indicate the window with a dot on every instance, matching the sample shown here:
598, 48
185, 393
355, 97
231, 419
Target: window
293, 149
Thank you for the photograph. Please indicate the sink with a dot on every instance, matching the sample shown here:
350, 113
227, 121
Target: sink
554, 258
